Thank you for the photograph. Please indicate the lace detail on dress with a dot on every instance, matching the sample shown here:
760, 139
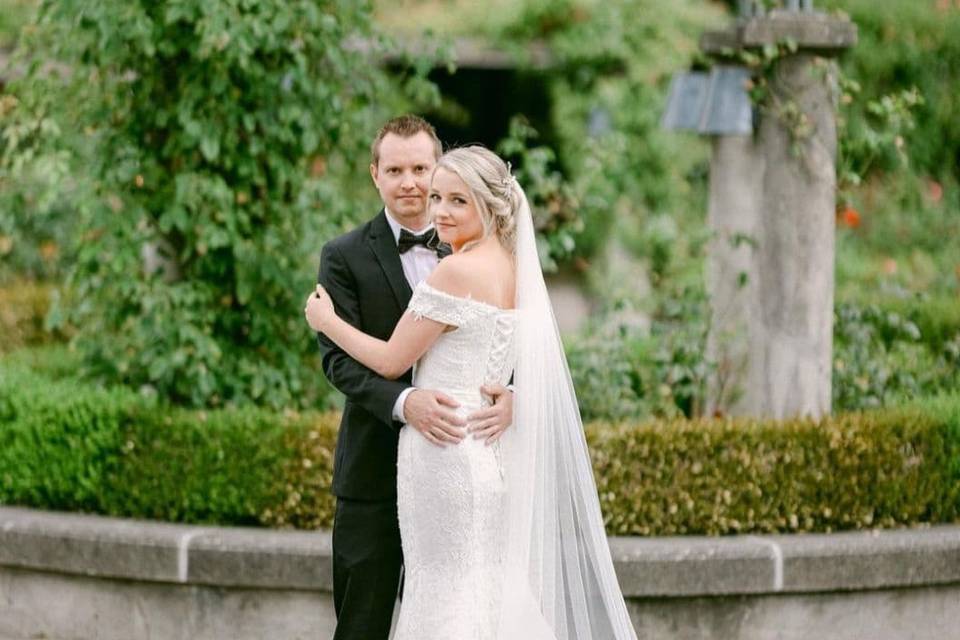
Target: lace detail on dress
446, 308
451, 500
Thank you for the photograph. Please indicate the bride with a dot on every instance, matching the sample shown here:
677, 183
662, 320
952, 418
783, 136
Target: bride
502, 540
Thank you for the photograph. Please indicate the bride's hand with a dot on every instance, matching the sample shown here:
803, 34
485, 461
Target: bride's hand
319, 309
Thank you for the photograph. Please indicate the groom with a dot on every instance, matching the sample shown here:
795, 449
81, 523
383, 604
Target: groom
370, 274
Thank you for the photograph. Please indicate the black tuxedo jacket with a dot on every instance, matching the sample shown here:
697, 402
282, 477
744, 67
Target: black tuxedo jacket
361, 271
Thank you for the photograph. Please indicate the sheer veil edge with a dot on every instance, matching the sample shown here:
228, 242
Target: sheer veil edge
560, 582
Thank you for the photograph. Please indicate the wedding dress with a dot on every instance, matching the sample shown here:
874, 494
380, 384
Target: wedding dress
451, 500
504, 542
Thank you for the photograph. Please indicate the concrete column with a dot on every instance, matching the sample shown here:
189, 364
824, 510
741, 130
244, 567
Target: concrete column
770, 265
733, 212
792, 346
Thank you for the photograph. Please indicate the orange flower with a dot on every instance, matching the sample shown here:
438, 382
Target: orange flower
889, 266
850, 217
935, 190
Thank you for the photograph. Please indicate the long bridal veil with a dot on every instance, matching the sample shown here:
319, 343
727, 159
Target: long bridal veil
559, 583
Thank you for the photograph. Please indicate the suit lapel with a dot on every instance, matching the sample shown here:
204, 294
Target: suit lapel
384, 247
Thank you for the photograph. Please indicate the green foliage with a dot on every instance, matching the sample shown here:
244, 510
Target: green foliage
305, 476
623, 369
906, 244
853, 471
883, 353
552, 199
14, 15
904, 44
73, 446
607, 85
873, 132
882, 356
44, 192
211, 122
228, 465
59, 441
67, 445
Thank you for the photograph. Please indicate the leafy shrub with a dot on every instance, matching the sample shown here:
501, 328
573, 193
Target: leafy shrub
45, 191
210, 124
882, 356
69, 445
623, 368
860, 470
219, 466
904, 44
58, 441
937, 319
72, 446
305, 476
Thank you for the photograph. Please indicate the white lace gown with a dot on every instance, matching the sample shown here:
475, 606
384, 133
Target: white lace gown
451, 500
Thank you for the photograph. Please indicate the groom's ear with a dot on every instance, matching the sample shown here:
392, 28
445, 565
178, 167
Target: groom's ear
373, 174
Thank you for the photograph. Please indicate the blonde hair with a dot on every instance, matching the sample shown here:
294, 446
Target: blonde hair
495, 191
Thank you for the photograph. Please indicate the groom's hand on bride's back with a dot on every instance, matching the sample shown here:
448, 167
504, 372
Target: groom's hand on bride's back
432, 414
490, 423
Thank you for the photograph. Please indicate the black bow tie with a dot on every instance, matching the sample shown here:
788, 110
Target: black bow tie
429, 239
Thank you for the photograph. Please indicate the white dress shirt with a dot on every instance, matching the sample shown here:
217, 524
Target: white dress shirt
418, 263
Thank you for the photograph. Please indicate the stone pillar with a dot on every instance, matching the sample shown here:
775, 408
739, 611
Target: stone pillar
733, 212
771, 210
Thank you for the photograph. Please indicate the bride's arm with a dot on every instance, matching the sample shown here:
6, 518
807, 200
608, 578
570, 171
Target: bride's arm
412, 336
390, 358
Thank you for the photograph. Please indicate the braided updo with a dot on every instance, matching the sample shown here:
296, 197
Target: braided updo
496, 193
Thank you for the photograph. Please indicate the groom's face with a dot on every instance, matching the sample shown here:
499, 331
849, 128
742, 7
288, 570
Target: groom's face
402, 176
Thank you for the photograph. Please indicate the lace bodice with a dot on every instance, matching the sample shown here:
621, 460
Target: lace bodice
479, 351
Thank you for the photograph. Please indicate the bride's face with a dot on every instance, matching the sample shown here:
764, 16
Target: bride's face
453, 210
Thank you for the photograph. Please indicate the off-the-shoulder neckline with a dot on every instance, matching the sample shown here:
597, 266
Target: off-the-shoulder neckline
425, 285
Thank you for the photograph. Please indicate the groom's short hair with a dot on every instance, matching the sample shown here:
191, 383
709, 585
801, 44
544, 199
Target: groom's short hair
405, 126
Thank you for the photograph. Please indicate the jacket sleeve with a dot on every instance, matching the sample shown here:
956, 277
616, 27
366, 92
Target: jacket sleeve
360, 385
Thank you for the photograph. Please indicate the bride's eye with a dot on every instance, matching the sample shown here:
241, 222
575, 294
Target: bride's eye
434, 197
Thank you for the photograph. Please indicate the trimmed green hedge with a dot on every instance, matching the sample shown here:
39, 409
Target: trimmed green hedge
858, 470
68, 445
65, 445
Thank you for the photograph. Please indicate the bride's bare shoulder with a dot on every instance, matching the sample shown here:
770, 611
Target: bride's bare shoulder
467, 274
455, 274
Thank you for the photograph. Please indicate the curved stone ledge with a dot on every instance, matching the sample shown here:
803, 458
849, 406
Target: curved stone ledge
671, 566
213, 582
